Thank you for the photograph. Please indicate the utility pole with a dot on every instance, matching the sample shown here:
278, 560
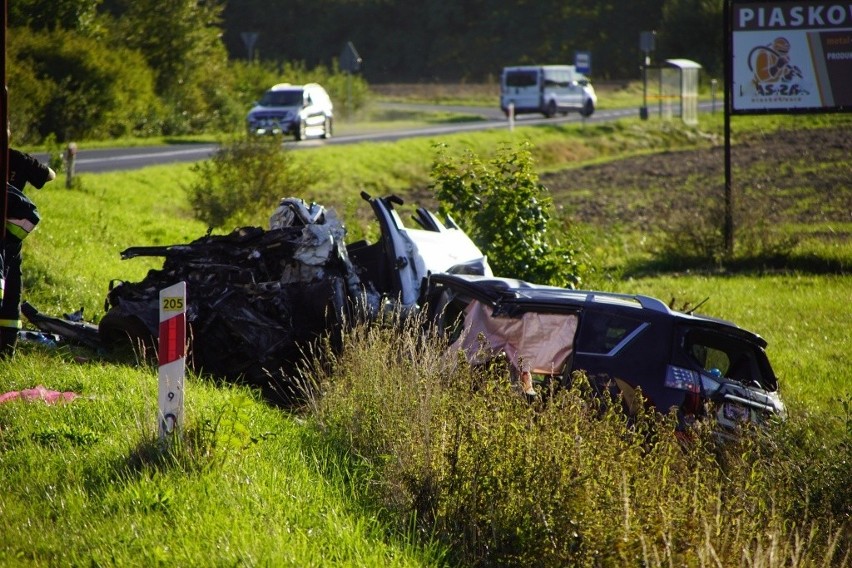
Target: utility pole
4, 137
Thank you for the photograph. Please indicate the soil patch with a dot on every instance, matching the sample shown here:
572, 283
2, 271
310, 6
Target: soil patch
802, 176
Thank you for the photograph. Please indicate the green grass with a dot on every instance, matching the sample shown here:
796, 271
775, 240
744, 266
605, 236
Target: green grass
366, 477
88, 483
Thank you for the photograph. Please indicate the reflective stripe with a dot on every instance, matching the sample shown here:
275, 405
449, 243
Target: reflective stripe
20, 227
14, 324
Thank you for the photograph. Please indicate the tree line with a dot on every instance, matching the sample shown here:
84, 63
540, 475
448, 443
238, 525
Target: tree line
471, 40
95, 69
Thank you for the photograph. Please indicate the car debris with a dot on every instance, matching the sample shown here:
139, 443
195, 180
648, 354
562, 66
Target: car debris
623, 343
256, 297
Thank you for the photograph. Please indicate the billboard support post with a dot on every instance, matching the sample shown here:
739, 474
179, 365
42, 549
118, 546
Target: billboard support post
729, 194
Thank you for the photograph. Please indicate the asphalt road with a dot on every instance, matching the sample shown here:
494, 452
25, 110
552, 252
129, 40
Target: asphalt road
122, 159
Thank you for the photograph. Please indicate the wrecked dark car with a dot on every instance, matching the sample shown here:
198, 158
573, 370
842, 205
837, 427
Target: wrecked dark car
625, 343
257, 297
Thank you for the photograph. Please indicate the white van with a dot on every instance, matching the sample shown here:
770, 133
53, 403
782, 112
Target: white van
548, 89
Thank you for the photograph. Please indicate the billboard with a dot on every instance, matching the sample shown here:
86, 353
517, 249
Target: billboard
789, 56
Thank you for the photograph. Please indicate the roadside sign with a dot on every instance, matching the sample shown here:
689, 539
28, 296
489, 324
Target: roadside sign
583, 62
647, 41
172, 358
350, 61
790, 57
249, 39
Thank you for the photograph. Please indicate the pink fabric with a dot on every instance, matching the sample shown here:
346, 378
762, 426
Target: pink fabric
544, 341
39, 393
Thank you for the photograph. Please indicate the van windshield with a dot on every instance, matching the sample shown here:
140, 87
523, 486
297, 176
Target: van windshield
557, 78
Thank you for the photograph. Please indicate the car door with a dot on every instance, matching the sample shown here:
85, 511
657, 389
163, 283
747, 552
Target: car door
522, 88
409, 254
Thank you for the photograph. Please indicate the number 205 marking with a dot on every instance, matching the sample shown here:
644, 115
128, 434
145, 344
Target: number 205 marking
174, 304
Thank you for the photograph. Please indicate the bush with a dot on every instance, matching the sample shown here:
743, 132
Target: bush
245, 180
696, 235
506, 211
74, 88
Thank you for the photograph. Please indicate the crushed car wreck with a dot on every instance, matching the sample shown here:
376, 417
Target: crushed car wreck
256, 297
621, 342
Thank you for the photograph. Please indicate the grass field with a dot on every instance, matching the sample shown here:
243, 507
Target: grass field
430, 475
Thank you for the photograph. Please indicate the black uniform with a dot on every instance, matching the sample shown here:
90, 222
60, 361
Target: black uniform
21, 218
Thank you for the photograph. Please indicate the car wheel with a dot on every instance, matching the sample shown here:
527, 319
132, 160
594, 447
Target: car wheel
551, 109
302, 131
326, 132
588, 108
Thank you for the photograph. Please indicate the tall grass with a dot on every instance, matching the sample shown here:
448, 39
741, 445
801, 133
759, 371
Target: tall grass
459, 453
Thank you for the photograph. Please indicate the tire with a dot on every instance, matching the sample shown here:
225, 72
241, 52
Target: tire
327, 128
551, 110
302, 131
588, 108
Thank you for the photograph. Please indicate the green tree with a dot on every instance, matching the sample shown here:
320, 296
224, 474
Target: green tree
693, 29
64, 85
49, 15
181, 41
504, 208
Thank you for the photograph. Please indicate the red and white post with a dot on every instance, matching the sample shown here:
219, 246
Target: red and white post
172, 358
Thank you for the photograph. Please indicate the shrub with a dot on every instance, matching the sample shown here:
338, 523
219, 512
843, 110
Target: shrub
72, 87
506, 211
244, 181
695, 235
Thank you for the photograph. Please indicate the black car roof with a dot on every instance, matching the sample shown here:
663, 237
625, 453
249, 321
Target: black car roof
512, 295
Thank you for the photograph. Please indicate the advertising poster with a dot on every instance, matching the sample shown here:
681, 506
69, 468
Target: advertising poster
791, 56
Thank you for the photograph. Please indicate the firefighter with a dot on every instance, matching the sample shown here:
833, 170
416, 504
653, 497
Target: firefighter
21, 218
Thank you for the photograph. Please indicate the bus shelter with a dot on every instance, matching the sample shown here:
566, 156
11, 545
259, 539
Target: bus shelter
677, 86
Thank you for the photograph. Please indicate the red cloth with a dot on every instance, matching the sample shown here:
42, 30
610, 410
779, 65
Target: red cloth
39, 393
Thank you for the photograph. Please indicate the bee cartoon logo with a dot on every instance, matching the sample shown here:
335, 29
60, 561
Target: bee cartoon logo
773, 72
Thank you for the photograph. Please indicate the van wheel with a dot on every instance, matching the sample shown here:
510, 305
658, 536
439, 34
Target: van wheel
326, 131
550, 111
302, 131
588, 108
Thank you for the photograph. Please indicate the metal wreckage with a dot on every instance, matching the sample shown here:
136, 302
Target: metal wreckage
256, 297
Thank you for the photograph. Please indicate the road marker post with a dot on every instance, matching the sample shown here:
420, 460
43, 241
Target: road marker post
172, 358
